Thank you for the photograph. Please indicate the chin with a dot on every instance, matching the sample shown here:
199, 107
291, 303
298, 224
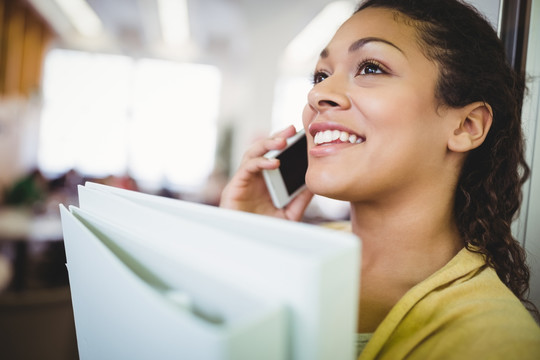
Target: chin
327, 186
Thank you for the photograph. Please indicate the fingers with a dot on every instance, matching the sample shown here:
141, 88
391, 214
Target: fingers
277, 141
258, 164
244, 184
285, 133
261, 147
247, 190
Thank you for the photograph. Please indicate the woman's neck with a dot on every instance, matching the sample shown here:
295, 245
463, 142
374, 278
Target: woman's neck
415, 230
403, 243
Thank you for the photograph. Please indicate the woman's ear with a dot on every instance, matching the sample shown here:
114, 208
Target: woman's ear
472, 128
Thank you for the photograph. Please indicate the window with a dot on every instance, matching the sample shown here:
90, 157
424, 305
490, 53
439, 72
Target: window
154, 120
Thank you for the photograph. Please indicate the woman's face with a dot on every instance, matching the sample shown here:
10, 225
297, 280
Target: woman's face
374, 128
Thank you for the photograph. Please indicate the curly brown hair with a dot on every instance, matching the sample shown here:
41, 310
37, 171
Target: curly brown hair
473, 67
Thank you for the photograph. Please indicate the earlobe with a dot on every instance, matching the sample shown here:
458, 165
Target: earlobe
473, 126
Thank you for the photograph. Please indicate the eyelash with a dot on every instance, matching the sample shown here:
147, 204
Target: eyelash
316, 78
370, 62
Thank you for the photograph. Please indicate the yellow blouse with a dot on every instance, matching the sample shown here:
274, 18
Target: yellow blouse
463, 311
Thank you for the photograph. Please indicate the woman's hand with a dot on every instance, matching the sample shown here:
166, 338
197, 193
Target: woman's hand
247, 190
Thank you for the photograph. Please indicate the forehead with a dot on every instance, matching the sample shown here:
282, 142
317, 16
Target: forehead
379, 23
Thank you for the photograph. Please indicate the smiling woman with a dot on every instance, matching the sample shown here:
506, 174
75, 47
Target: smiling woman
433, 176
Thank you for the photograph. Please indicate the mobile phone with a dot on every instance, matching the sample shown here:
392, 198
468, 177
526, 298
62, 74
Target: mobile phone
287, 181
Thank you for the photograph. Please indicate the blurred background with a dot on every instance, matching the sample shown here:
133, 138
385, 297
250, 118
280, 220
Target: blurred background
160, 96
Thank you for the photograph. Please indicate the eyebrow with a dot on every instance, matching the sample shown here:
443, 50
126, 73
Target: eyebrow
360, 43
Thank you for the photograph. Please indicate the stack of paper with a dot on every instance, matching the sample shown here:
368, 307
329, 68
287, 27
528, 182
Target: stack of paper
158, 278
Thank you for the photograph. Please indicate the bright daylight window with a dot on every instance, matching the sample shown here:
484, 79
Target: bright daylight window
111, 115
290, 97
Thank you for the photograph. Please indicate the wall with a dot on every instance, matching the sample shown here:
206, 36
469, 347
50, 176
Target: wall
528, 226
490, 8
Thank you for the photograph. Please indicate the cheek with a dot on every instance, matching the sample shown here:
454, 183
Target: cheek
398, 112
307, 116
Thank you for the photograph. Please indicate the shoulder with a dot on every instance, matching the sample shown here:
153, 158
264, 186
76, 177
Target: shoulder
464, 312
478, 318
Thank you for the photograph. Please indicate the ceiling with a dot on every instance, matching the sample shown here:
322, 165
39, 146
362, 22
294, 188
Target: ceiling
218, 28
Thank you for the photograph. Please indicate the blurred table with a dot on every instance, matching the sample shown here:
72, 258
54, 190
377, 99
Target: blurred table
36, 316
33, 246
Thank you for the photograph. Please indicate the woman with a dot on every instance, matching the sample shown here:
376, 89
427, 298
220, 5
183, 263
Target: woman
430, 156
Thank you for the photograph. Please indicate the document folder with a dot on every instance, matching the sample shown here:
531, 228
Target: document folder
154, 277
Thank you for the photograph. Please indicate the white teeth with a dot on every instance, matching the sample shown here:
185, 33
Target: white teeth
317, 137
329, 136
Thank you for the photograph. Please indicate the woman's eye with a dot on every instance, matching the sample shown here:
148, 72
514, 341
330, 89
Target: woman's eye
318, 77
369, 68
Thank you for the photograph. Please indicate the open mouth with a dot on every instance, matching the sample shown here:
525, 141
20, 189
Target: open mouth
335, 137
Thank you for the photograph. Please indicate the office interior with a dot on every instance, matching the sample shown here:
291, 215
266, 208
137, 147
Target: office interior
163, 97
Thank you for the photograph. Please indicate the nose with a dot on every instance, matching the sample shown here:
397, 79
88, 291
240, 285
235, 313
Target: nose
330, 93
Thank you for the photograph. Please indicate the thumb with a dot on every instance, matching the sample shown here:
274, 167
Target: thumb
296, 208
